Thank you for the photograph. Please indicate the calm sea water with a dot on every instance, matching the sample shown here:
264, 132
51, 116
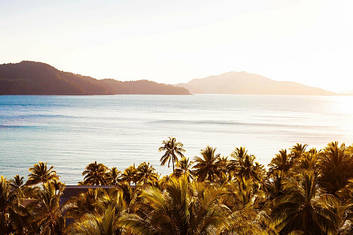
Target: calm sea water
71, 131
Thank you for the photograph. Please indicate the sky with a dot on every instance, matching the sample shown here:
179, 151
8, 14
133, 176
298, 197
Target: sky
306, 41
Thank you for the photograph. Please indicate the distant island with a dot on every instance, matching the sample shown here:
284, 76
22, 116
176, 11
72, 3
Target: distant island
36, 78
248, 83
349, 92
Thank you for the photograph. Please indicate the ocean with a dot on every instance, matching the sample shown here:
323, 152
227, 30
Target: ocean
69, 132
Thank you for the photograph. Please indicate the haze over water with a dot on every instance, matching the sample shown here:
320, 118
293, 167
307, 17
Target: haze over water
71, 131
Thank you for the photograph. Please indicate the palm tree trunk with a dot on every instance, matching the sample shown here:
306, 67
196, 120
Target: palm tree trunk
173, 163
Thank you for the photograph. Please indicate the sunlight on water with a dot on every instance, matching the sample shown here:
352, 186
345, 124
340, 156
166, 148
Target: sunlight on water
71, 131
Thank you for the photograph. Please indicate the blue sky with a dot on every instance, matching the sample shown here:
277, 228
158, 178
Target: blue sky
174, 41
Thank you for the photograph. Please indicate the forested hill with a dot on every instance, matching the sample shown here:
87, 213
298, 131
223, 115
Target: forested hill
35, 78
248, 83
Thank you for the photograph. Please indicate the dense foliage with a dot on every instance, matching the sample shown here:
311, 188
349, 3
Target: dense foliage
302, 191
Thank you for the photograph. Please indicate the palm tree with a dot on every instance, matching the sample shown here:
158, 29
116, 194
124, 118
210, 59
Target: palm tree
244, 165
346, 212
146, 174
302, 208
40, 173
273, 186
335, 166
95, 174
308, 161
17, 182
244, 200
17, 185
172, 149
98, 224
243, 221
129, 195
130, 175
184, 168
278, 171
224, 175
241, 194
14, 217
223, 163
84, 203
266, 223
207, 167
281, 163
104, 219
113, 176
163, 182
7, 203
182, 209
297, 151
49, 213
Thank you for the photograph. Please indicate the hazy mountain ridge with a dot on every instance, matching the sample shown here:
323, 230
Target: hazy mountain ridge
248, 83
348, 92
36, 78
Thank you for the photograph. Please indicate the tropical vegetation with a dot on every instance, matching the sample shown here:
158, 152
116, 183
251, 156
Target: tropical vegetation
301, 191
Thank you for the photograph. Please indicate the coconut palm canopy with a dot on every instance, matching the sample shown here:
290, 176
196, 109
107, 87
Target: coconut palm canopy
172, 150
302, 191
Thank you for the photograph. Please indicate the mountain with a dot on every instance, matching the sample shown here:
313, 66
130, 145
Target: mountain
348, 92
35, 78
248, 83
